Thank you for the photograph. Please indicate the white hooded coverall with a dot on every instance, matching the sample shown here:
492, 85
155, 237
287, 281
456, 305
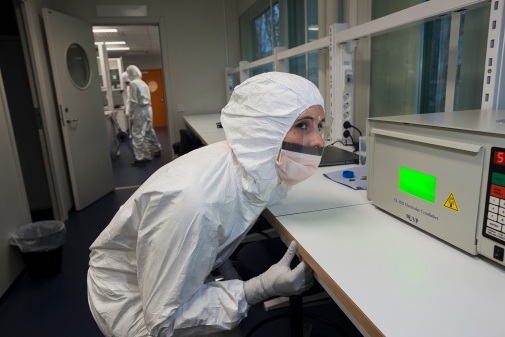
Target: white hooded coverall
148, 268
143, 136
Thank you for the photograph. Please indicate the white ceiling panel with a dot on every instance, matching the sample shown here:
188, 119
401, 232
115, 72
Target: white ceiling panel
140, 39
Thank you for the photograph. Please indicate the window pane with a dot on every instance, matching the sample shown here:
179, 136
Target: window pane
312, 35
395, 59
78, 66
258, 26
233, 81
471, 63
313, 68
395, 68
287, 24
409, 66
382, 8
312, 24
296, 23
435, 62
261, 69
297, 66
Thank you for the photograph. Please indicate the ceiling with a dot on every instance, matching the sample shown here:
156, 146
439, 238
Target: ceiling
142, 40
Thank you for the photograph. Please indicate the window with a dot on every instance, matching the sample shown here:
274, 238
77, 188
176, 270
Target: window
409, 67
288, 23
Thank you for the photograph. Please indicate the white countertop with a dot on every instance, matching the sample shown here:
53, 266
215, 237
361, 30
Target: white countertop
406, 282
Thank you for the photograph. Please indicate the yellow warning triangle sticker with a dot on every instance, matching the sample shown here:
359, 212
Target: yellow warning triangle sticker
451, 203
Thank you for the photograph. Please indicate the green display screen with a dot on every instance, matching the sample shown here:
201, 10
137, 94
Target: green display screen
418, 184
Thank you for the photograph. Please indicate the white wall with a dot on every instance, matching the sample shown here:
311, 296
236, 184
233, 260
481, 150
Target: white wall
13, 201
193, 44
243, 5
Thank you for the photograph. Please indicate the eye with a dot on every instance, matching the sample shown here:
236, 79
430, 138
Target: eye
302, 125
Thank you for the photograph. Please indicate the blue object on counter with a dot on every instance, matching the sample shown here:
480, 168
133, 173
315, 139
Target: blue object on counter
355, 177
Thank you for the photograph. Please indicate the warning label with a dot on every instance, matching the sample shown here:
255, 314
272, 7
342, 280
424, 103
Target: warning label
451, 203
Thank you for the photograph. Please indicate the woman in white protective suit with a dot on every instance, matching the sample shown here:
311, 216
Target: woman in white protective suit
143, 136
149, 269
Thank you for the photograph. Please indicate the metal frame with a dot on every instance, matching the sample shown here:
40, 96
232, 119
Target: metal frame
492, 95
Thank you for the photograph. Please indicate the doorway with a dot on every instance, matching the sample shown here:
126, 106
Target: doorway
137, 45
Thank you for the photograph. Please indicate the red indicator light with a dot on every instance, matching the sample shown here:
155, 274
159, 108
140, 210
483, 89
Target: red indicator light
499, 158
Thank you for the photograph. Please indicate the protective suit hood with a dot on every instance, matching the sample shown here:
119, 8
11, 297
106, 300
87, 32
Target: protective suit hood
125, 77
257, 118
134, 73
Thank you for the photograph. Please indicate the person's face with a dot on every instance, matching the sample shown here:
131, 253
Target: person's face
307, 128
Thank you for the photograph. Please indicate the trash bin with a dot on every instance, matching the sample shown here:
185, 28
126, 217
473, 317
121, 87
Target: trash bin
41, 246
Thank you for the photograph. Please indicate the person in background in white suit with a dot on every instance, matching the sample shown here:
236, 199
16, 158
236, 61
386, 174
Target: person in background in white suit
144, 138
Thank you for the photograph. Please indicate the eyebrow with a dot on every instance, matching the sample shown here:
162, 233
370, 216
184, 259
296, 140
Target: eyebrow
309, 117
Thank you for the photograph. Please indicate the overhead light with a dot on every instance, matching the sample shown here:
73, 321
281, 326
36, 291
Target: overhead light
313, 28
105, 30
118, 48
110, 43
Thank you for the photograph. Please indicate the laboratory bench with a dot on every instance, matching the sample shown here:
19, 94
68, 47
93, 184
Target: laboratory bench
390, 278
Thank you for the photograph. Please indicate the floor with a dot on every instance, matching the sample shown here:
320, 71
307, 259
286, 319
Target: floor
56, 306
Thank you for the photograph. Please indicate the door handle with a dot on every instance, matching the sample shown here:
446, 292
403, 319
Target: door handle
72, 120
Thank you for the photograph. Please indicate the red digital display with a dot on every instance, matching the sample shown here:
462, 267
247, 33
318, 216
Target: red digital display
499, 158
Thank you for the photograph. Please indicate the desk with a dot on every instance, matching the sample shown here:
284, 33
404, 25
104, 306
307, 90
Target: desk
204, 126
391, 279
316, 189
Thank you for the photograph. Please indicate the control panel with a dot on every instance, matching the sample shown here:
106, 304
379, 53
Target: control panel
494, 217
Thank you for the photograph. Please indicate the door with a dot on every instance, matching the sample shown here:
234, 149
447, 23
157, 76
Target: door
13, 200
154, 79
82, 120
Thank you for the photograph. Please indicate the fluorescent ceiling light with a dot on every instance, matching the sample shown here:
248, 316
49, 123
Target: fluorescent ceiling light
107, 30
118, 48
110, 43
313, 28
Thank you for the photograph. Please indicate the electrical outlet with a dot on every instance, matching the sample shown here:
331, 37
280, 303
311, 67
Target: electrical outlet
342, 109
180, 108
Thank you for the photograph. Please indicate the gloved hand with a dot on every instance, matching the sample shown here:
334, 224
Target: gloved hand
280, 279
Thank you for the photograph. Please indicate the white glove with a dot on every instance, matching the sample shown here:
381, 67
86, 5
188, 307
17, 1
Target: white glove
280, 279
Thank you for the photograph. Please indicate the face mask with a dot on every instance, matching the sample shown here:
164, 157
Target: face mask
295, 167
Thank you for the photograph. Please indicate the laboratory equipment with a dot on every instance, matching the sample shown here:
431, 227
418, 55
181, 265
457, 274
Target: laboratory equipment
333, 155
443, 173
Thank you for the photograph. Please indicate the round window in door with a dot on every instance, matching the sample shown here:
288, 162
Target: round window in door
78, 66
